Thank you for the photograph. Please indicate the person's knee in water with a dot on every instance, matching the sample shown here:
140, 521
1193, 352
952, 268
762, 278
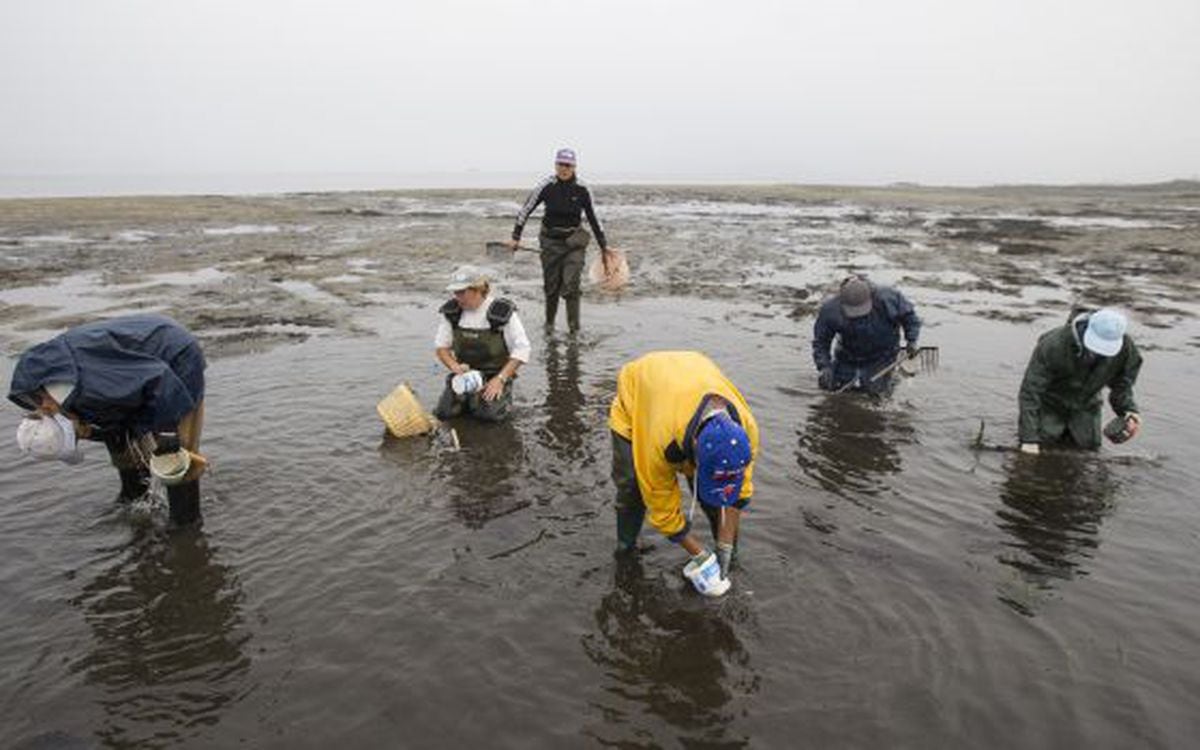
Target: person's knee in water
1059, 399
857, 335
482, 343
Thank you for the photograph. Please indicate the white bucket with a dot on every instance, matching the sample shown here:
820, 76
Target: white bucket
706, 576
171, 468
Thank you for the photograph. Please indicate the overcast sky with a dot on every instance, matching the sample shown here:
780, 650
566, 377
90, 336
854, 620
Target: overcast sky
875, 91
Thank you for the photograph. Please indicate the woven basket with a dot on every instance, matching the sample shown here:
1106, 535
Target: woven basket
403, 415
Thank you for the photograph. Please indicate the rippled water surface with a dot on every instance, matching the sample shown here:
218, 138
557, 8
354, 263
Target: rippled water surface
898, 587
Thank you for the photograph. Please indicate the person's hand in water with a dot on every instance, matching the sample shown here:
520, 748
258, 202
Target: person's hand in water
825, 379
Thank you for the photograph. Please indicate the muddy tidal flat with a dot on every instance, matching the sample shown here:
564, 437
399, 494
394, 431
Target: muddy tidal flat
897, 588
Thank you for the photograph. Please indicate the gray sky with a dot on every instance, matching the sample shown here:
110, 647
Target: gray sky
874, 91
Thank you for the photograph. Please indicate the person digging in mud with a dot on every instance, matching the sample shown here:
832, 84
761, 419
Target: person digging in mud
562, 239
135, 383
481, 341
1060, 400
857, 335
675, 412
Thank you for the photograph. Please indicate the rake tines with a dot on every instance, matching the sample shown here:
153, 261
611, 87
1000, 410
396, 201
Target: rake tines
928, 358
925, 360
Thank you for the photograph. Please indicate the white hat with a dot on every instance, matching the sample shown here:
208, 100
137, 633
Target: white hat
49, 437
466, 277
1105, 334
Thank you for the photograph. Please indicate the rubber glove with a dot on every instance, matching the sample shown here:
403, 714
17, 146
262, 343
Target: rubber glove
725, 557
911, 349
1031, 448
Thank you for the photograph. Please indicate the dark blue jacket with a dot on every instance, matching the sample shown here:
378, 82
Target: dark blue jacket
140, 373
873, 339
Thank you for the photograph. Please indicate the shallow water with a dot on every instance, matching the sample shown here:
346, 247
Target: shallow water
897, 588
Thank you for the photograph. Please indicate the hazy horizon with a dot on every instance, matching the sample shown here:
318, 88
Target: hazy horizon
13, 187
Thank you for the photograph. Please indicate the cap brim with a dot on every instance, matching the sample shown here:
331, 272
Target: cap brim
857, 311
456, 287
1103, 347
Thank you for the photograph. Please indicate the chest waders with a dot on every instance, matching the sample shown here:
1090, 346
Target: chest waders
482, 349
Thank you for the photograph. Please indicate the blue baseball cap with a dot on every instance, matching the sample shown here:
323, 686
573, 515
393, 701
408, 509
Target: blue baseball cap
1105, 334
722, 455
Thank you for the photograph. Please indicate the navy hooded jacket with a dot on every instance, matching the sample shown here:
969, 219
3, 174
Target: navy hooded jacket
873, 339
139, 373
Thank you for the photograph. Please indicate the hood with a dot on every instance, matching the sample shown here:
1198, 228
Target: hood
48, 362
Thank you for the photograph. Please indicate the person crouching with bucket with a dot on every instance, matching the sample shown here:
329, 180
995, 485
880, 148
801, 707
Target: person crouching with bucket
135, 383
676, 413
482, 342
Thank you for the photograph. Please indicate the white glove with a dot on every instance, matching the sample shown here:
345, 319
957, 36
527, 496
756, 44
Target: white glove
1031, 448
467, 382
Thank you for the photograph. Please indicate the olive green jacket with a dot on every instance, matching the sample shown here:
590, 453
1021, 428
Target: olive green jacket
1061, 386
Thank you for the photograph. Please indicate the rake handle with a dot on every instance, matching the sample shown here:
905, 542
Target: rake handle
901, 359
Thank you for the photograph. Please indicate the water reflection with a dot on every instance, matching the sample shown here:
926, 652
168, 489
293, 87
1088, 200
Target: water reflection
668, 654
168, 643
564, 430
484, 477
848, 445
1052, 508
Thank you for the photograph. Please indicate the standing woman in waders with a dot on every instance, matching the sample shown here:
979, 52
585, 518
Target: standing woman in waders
562, 239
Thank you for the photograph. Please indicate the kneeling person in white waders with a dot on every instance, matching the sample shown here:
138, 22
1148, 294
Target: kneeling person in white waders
481, 341
135, 383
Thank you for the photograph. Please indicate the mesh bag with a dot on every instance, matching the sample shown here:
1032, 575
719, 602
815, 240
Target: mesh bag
615, 277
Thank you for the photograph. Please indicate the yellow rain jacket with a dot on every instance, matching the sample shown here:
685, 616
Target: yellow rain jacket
660, 399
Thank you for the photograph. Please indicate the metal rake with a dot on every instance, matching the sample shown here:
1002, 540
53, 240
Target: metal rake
927, 359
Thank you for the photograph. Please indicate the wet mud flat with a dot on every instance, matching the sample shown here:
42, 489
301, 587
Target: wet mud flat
250, 272
897, 587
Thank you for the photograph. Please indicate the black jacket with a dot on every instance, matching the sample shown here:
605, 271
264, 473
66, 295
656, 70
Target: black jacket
564, 203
